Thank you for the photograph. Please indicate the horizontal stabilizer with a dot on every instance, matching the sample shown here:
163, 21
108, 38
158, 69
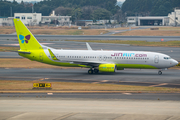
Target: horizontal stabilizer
24, 52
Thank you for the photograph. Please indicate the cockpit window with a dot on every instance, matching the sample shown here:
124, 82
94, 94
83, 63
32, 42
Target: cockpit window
167, 58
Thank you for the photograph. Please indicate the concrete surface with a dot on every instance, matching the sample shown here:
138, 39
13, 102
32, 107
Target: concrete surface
78, 109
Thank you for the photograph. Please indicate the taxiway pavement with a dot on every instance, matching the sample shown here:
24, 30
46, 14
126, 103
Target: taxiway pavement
93, 37
169, 78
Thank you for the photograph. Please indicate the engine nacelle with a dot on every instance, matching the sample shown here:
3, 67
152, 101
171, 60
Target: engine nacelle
107, 67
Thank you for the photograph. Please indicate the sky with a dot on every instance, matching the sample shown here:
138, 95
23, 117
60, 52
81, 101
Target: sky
41, 0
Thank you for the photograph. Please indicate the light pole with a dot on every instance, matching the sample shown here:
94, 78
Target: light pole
175, 17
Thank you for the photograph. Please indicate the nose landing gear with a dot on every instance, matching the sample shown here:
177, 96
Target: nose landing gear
159, 73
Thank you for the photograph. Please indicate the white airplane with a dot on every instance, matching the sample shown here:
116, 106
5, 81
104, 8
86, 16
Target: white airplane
97, 61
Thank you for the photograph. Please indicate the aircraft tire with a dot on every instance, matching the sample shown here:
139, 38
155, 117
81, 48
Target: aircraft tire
96, 71
90, 71
159, 73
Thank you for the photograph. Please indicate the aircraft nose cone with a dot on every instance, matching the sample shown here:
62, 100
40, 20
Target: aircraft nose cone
175, 62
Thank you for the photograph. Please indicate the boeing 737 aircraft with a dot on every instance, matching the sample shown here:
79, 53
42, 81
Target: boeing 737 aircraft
97, 61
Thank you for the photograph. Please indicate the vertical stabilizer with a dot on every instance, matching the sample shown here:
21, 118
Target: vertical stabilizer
26, 39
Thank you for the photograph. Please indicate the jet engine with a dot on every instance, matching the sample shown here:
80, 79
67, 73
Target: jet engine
107, 67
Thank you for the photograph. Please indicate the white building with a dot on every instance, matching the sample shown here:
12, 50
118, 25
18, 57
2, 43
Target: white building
6, 21
132, 21
174, 17
58, 20
98, 22
153, 21
29, 18
36, 19
148, 21
106, 21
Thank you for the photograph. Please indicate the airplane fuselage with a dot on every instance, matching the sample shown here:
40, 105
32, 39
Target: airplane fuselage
122, 59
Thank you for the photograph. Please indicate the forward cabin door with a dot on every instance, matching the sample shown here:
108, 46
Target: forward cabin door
156, 59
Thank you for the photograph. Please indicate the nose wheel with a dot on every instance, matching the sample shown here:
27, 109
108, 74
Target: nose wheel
159, 73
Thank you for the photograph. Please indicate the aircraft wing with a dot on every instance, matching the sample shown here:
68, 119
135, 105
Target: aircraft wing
89, 63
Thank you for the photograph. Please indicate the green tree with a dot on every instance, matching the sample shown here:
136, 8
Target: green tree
76, 14
101, 13
45, 10
149, 7
63, 11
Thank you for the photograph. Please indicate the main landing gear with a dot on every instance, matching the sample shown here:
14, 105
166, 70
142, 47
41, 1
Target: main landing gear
91, 71
159, 73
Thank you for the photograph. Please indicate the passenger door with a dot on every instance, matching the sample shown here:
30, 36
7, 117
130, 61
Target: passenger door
156, 59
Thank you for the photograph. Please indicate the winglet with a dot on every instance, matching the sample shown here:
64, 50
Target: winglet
52, 55
88, 46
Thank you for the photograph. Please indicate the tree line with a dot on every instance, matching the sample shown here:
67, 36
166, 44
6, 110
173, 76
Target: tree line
91, 9
7, 8
149, 7
78, 9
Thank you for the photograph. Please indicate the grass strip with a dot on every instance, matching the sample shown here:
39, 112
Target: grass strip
163, 31
135, 43
60, 31
12, 85
8, 49
22, 63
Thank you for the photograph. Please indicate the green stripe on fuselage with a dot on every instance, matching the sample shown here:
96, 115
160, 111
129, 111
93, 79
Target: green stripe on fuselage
140, 66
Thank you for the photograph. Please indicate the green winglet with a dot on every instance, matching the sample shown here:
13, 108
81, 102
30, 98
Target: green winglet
52, 55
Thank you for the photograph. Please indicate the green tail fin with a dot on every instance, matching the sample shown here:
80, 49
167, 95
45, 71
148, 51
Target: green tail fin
26, 39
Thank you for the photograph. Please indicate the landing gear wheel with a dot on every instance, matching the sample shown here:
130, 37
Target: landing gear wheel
160, 73
90, 71
96, 71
